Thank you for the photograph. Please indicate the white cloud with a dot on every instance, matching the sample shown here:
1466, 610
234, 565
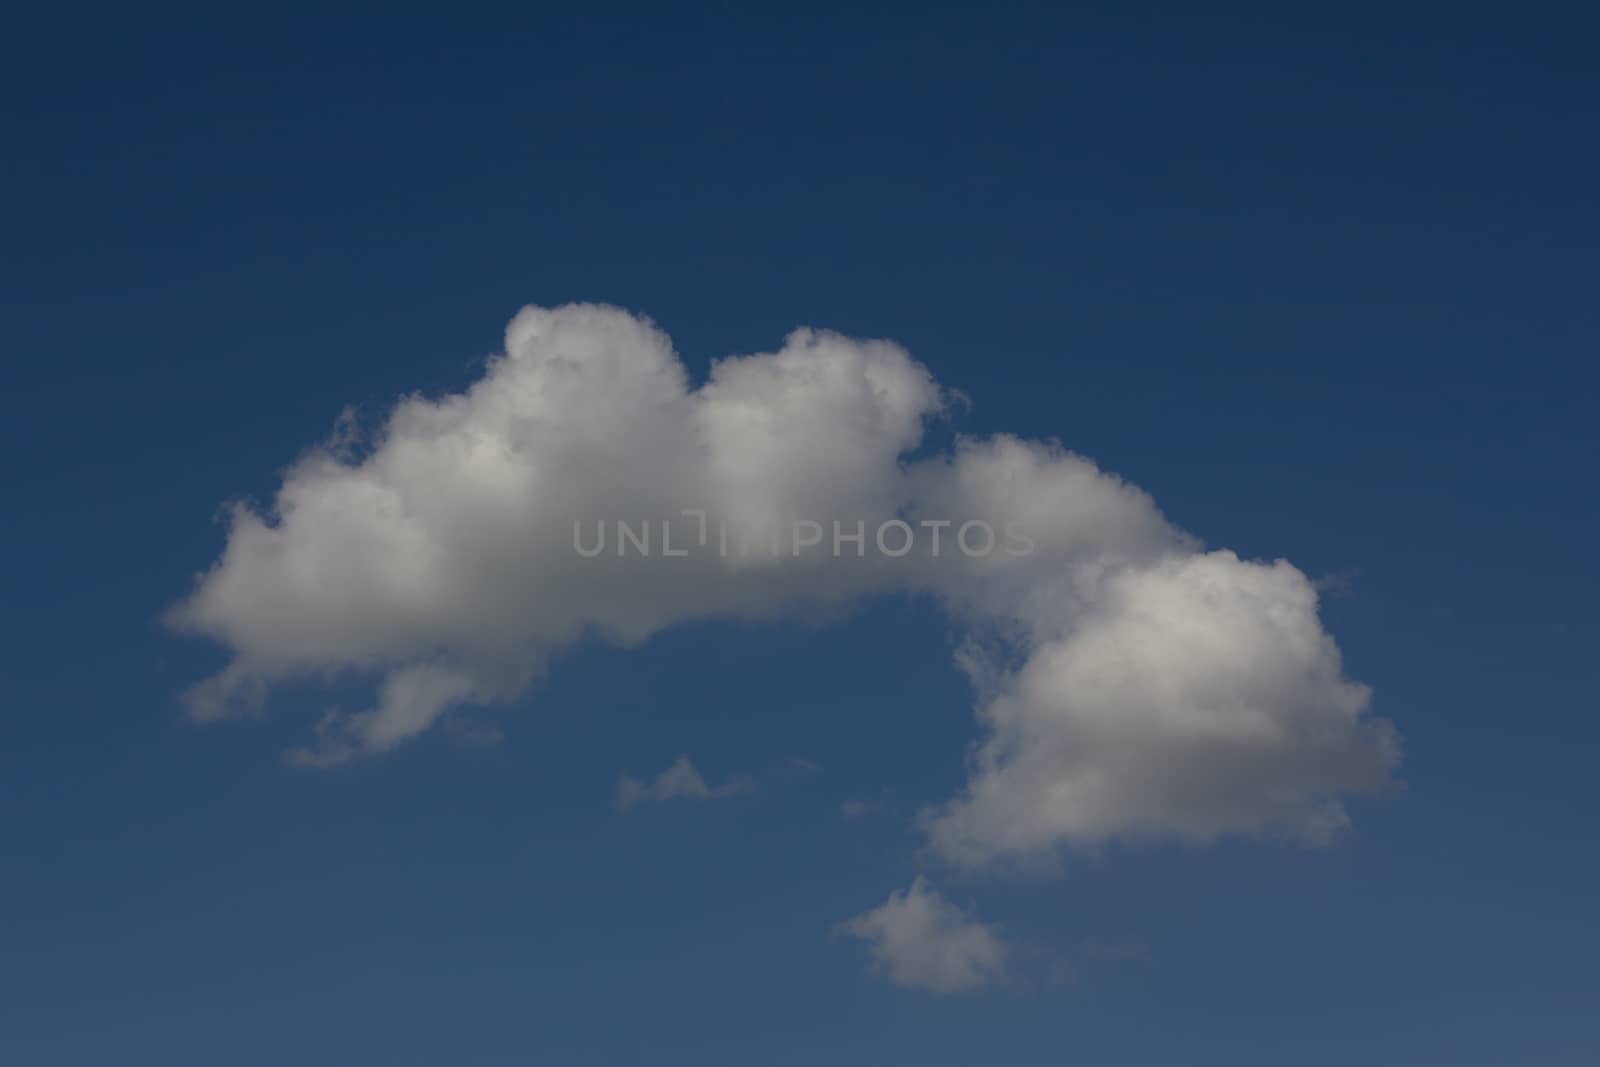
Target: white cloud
1194, 697
922, 941
1130, 685
679, 781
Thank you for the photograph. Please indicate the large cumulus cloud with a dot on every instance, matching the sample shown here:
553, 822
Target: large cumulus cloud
1130, 684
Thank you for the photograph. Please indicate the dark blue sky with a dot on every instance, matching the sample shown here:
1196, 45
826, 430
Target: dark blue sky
1323, 284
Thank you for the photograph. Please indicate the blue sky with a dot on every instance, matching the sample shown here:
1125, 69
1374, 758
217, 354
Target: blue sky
1321, 285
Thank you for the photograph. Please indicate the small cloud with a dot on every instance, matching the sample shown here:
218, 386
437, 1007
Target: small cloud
1339, 583
920, 940
853, 808
681, 780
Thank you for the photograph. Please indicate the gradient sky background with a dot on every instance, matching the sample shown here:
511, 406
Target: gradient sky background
1324, 285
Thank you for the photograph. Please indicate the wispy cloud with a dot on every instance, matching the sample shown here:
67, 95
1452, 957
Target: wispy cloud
681, 781
855, 808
